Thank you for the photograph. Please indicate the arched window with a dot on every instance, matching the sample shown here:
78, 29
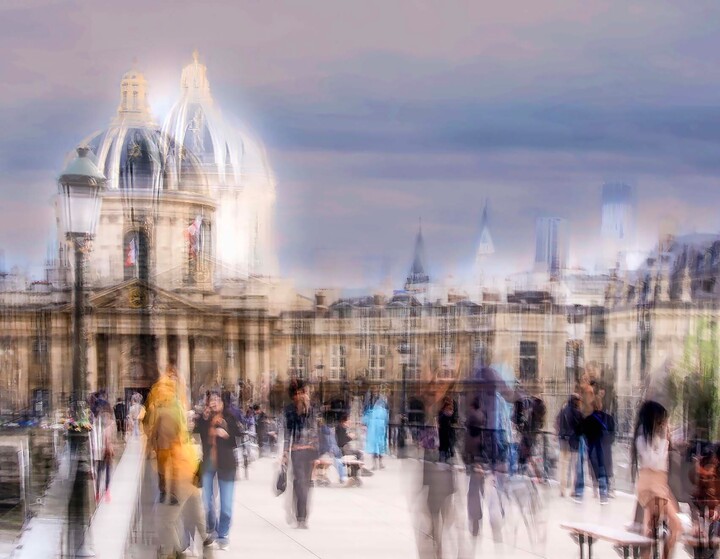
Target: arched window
198, 242
135, 255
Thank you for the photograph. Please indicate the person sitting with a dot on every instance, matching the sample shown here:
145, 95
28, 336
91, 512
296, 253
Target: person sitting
705, 476
329, 446
345, 439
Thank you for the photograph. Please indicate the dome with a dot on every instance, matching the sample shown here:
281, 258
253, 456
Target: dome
134, 154
231, 158
143, 158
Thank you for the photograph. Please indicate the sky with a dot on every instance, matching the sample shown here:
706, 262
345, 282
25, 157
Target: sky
376, 114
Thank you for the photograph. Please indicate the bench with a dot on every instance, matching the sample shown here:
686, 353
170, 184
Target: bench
629, 544
353, 466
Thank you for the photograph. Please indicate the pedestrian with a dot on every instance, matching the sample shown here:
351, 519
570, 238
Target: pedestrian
446, 430
567, 426
650, 462
376, 421
474, 457
300, 448
218, 431
120, 418
607, 441
103, 436
595, 429
136, 414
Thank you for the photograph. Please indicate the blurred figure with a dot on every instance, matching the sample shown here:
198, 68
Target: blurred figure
120, 418
328, 445
650, 461
261, 429
103, 435
300, 448
608, 440
587, 406
136, 414
218, 432
376, 421
568, 429
446, 430
474, 458
167, 422
595, 430
705, 477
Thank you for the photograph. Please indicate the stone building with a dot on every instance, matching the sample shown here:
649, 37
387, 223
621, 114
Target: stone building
168, 281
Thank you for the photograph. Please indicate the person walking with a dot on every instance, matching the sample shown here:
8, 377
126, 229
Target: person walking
300, 448
446, 430
376, 420
136, 414
120, 418
102, 450
594, 429
650, 462
218, 431
567, 426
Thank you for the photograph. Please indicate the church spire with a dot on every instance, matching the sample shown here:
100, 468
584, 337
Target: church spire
486, 246
418, 279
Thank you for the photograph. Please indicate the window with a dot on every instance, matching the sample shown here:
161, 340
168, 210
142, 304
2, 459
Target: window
298, 361
615, 359
135, 247
376, 361
528, 361
574, 360
478, 352
643, 358
338, 358
628, 361
447, 357
412, 361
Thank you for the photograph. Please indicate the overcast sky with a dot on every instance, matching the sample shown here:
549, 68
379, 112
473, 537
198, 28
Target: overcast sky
375, 114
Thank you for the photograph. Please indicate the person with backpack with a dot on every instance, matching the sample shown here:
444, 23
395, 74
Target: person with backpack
567, 425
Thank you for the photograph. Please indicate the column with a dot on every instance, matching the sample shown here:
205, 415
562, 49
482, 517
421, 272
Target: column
23, 375
115, 387
92, 362
162, 353
183, 363
57, 367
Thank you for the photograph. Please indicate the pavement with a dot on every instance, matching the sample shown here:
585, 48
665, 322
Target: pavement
384, 519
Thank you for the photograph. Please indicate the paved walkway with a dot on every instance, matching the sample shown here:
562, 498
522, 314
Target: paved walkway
383, 519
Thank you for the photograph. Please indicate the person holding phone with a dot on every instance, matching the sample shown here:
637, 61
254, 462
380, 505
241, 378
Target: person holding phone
218, 431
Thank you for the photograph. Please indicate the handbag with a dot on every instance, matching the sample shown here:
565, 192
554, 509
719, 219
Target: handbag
281, 482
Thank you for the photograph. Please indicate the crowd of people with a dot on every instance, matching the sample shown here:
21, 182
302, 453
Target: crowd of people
503, 433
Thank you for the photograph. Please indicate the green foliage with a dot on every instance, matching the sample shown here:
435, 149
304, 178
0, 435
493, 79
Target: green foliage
695, 382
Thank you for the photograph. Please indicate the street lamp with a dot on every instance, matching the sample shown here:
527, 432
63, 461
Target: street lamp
80, 187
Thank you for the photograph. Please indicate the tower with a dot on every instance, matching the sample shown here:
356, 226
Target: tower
417, 280
617, 223
551, 245
485, 248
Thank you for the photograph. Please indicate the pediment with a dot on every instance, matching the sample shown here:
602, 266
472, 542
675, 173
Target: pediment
136, 295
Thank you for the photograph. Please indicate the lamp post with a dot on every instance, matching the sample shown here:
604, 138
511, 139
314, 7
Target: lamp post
80, 186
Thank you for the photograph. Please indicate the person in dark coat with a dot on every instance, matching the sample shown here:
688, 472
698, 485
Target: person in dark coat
568, 429
120, 418
300, 447
594, 429
218, 432
446, 431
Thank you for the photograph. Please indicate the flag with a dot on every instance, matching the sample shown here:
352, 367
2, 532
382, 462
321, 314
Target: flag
131, 254
192, 234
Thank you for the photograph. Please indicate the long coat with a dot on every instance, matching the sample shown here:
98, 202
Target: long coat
376, 420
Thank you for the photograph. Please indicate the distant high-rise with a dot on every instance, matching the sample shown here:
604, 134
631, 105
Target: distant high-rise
618, 223
551, 245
